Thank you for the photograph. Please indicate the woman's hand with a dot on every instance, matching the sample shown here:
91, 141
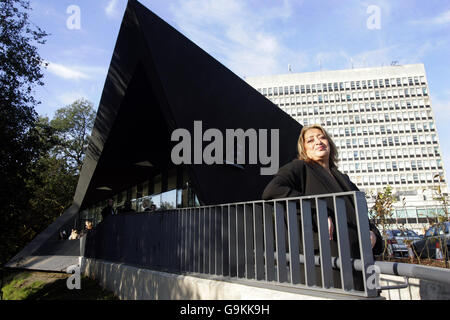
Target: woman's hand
330, 228
373, 238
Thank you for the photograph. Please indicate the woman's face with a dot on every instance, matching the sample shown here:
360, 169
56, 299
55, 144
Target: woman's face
317, 146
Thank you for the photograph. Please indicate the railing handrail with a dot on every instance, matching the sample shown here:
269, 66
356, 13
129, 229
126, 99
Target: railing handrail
409, 270
325, 195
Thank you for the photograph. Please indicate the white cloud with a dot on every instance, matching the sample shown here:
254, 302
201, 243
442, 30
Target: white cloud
384, 56
67, 98
442, 19
111, 9
76, 72
65, 72
238, 35
441, 108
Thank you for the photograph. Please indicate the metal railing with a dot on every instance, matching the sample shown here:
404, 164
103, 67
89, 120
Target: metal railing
283, 241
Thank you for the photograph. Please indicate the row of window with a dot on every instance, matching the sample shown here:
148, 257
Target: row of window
418, 152
400, 122
338, 131
366, 95
395, 179
381, 166
347, 85
418, 213
386, 141
388, 129
361, 107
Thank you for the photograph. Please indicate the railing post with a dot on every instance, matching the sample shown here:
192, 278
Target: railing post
165, 240
259, 240
249, 244
225, 241
268, 241
325, 251
232, 240
240, 240
197, 240
181, 232
308, 243
218, 242
280, 241
343, 244
201, 240
293, 235
211, 240
174, 241
192, 240
364, 240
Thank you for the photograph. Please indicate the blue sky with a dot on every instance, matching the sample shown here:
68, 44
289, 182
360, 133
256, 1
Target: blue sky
253, 37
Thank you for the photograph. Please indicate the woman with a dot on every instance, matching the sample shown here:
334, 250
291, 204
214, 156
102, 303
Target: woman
315, 172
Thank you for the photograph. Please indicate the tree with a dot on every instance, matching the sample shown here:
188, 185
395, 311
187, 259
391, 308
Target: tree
20, 141
73, 125
442, 198
55, 175
20, 72
382, 210
442, 216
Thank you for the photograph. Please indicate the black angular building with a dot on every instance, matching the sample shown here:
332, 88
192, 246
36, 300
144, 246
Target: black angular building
159, 81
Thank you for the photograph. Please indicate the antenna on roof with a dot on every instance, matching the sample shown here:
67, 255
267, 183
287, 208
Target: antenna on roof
289, 68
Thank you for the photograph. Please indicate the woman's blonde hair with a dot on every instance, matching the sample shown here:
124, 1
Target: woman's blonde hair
301, 145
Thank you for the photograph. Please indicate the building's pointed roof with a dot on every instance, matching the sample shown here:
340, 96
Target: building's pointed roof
159, 78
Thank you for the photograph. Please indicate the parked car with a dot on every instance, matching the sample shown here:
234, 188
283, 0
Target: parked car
397, 241
438, 233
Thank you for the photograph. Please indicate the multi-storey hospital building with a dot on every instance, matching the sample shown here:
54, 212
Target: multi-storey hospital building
382, 122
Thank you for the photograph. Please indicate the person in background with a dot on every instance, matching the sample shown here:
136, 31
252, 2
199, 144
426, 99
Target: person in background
146, 205
127, 207
315, 172
63, 235
109, 209
74, 235
88, 227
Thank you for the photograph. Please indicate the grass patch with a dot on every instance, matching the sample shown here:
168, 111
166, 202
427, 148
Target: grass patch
28, 285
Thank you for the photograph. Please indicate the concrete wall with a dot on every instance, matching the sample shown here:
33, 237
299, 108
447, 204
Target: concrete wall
131, 283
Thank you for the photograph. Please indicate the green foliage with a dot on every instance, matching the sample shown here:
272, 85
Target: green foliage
50, 183
73, 125
165, 205
20, 138
51, 286
442, 198
19, 289
383, 209
40, 160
